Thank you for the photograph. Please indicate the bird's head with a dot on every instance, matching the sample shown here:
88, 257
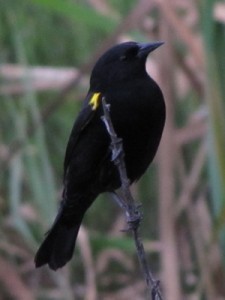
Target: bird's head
123, 62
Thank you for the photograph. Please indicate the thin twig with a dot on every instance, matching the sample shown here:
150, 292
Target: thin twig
126, 201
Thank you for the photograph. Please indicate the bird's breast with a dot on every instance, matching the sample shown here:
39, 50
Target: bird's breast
138, 116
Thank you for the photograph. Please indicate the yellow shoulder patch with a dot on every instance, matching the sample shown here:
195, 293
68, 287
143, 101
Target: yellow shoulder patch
95, 101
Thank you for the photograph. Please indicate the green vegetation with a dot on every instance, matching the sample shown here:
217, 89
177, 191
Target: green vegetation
43, 43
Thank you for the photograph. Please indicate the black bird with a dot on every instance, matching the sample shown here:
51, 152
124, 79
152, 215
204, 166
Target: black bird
137, 111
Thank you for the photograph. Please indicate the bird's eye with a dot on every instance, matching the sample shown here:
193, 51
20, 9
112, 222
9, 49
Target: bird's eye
130, 53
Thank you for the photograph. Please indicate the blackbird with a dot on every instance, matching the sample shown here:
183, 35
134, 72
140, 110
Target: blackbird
137, 112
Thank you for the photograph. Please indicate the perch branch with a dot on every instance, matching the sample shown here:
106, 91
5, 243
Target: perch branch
127, 202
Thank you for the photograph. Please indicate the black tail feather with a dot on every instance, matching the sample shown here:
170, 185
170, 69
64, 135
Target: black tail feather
58, 246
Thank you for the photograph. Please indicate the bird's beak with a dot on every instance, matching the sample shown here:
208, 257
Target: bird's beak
146, 48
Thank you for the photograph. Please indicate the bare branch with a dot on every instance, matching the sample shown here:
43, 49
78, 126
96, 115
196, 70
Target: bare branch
126, 200
16, 78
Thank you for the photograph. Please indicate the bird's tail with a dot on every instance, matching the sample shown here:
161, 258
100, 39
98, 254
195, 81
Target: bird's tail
58, 246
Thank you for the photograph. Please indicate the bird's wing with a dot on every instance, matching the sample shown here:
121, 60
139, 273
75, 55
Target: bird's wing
90, 106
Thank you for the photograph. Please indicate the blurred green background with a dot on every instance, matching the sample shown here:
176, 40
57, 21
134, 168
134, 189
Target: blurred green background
47, 50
